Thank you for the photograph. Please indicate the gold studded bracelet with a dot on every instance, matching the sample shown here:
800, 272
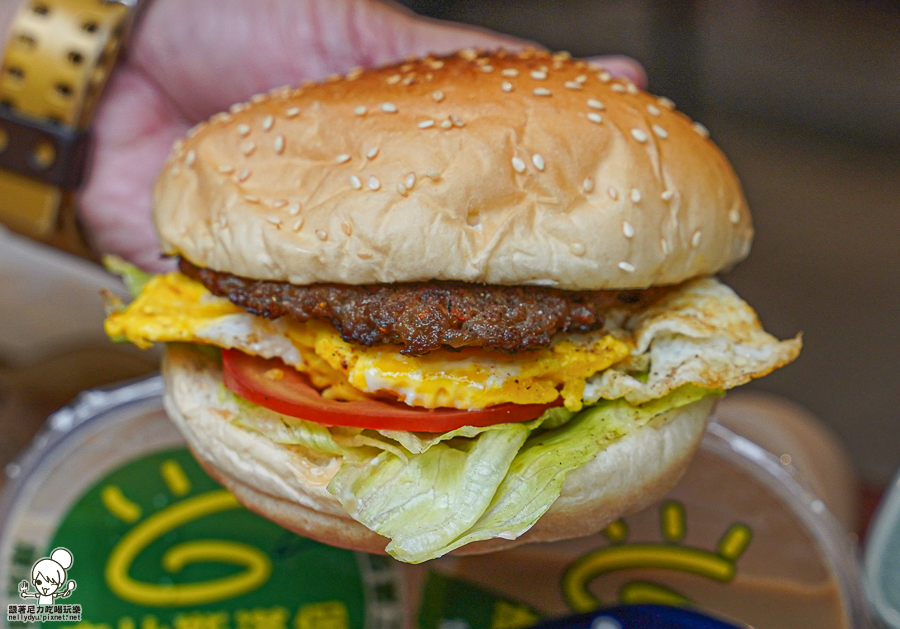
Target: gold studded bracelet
58, 58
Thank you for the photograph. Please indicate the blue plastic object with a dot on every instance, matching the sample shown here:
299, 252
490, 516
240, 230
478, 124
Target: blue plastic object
638, 617
882, 570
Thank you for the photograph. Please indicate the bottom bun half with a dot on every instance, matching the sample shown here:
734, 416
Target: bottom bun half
288, 486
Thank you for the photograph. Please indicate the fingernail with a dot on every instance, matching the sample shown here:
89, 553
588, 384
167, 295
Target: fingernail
623, 67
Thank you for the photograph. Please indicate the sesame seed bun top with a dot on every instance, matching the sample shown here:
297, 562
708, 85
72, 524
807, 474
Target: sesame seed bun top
502, 168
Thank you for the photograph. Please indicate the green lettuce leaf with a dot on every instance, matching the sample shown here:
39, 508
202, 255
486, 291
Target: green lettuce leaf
435, 497
432, 493
135, 279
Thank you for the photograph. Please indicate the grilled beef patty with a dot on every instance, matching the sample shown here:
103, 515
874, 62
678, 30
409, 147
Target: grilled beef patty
425, 316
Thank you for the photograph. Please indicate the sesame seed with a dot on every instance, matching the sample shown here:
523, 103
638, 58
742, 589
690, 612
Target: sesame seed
268, 123
298, 224
487, 68
734, 216
389, 108
401, 189
627, 229
393, 79
613, 193
627, 267
409, 79
354, 73
482, 61
457, 121
699, 128
604, 76
249, 198
506, 86
581, 78
293, 111
226, 170
364, 255
410, 180
237, 108
660, 132
435, 64
618, 87
175, 171
538, 75
654, 110
333, 78
595, 117
343, 158
518, 165
468, 53
667, 195
433, 175
347, 228
355, 182
588, 184
294, 209
178, 146
374, 184
221, 117
278, 144
632, 88
635, 195
593, 103
509, 72
437, 96
562, 55
665, 102
360, 110
538, 161
573, 85
372, 153
247, 148
695, 239
274, 220
277, 203
244, 175
577, 248
190, 158
447, 124
664, 246
426, 124
243, 130
639, 135
406, 67
541, 91
322, 234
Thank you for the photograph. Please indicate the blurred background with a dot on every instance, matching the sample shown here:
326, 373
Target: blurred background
804, 98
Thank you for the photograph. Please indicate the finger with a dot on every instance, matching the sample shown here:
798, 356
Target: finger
400, 33
624, 67
134, 131
209, 54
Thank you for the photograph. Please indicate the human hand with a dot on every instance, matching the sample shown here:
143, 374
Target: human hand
191, 59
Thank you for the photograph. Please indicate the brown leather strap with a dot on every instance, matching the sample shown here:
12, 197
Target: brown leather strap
58, 58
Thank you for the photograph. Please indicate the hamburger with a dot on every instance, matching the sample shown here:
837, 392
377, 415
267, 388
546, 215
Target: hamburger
454, 304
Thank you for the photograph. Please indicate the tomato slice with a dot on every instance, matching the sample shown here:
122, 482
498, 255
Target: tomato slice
293, 395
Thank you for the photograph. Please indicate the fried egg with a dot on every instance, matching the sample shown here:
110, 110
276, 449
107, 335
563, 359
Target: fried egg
701, 333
